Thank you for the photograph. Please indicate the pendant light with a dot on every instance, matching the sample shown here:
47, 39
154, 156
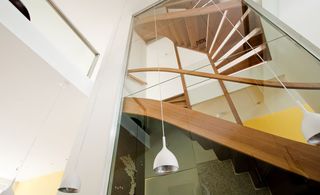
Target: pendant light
9, 190
70, 183
21, 7
310, 126
165, 161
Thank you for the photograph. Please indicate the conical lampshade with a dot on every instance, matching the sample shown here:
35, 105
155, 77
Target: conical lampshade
70, 184
9, 190
310, 126
165, 162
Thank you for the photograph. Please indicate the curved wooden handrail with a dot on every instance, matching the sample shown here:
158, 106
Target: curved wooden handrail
265, 83
290, 155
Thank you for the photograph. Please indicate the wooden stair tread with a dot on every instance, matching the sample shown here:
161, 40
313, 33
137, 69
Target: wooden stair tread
210, 32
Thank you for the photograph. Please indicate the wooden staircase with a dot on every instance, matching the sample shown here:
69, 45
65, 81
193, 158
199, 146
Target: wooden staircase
296, 157
178, 100
232, 37
222, 31
241, 163
262, 174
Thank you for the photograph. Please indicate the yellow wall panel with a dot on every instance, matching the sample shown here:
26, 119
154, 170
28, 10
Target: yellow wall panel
44, 185
285, 123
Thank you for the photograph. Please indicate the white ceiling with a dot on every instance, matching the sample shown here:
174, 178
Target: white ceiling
34, 100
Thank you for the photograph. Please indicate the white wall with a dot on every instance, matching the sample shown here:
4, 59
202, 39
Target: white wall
271, 5
36, 41
45, 19
34, 98
302, 16
93, 18
161, 53
104, 104
137, 59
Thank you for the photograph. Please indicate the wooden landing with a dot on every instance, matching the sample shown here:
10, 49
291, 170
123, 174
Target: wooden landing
290, 155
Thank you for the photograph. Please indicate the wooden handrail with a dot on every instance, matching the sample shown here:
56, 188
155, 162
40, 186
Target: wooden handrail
265, 83
138, 80
296, 157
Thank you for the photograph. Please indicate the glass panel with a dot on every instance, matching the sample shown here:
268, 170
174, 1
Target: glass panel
207, 97
46, 19
289, 63
246, 57
268, 109
245, 20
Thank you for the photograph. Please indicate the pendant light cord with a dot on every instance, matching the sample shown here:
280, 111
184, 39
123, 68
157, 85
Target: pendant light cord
38, 132
159, 83
263, 61
83, 138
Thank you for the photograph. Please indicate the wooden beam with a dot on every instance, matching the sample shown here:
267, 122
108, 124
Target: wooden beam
296, 157
183, 81
226, 94
264, 83
138, 80
192, 12
177, 3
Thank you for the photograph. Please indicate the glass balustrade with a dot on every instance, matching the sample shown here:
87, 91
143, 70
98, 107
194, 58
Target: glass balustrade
224, 60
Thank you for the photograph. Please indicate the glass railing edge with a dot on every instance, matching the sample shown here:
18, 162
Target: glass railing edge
298, 38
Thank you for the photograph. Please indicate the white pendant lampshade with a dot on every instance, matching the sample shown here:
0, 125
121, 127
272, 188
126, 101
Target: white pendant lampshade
310, 126
9, 190
70, 184
165, 162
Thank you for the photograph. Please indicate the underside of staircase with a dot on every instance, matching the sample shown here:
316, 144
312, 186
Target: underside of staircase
289, 155
218, 31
